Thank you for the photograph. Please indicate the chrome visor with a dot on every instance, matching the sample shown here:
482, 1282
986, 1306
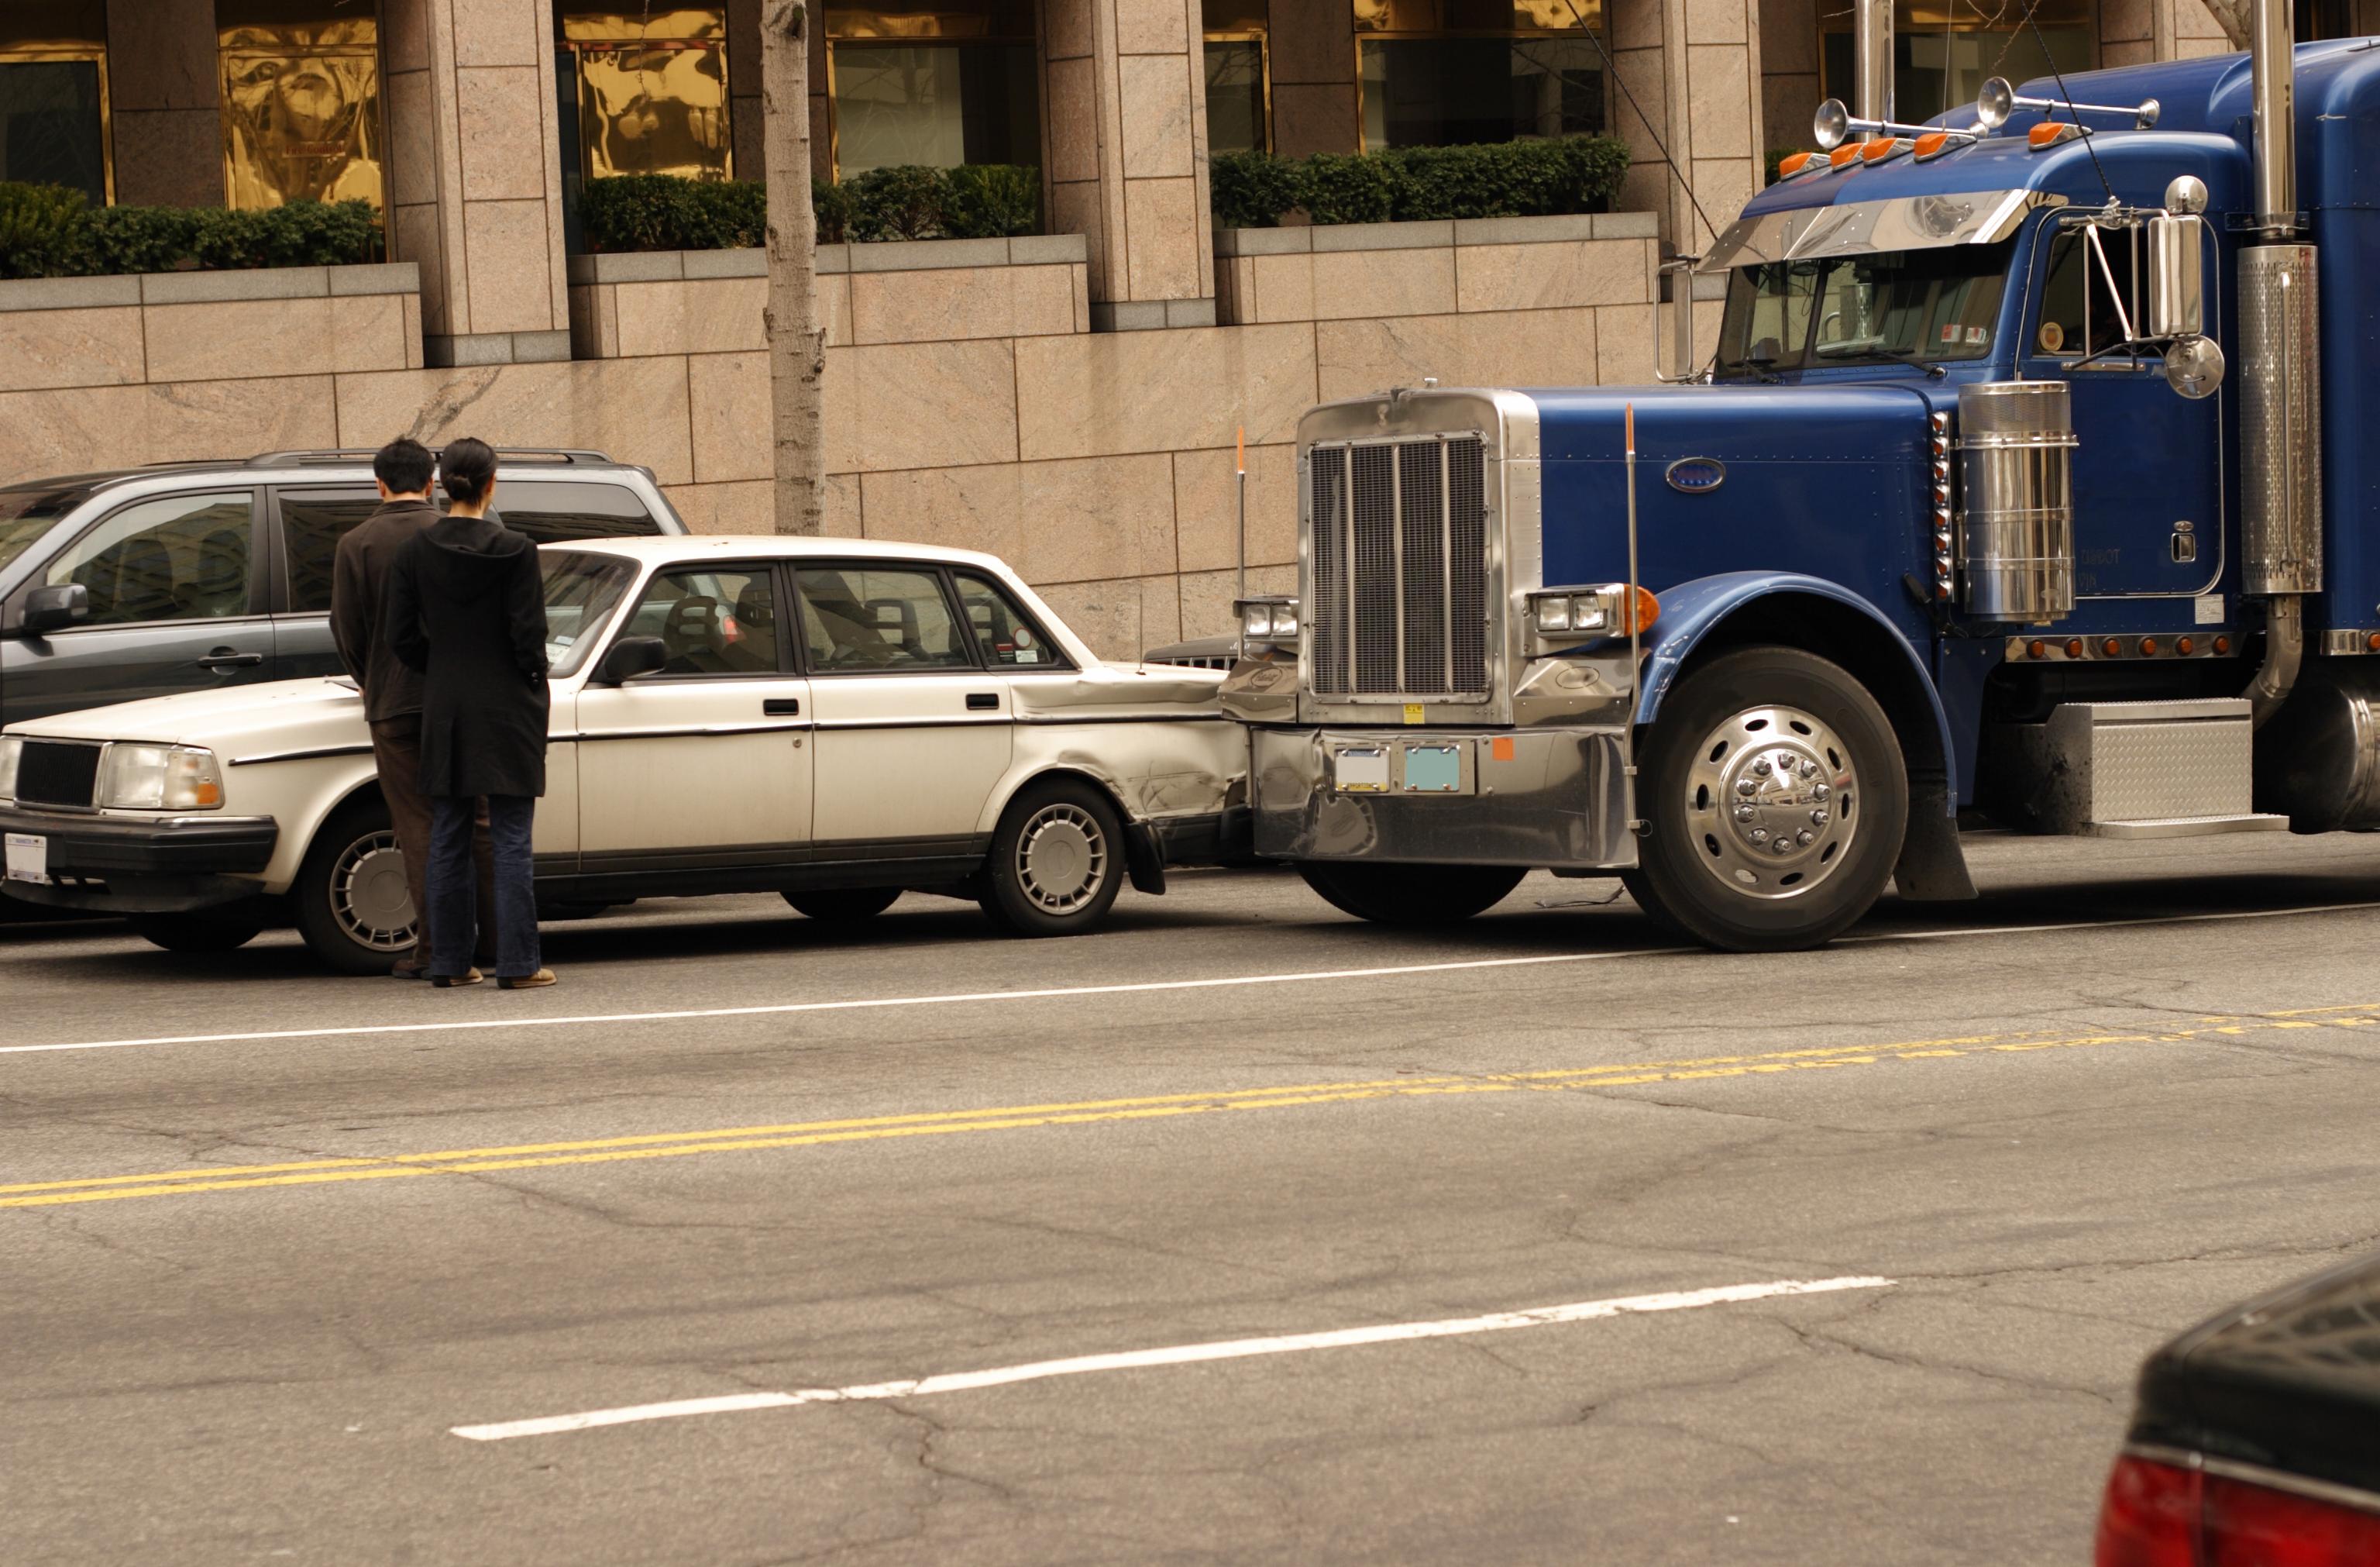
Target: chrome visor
1859, 228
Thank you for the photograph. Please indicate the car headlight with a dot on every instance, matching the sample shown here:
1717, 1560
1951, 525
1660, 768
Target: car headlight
136, 777
11, 748
1268, 620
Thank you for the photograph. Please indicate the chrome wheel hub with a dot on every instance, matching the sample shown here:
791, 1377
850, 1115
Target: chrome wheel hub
1062, 858
1773, 801
369, 896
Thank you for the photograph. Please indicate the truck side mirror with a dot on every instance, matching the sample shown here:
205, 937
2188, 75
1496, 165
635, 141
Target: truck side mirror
2176, 303
1676, 361
54, 608
629, 657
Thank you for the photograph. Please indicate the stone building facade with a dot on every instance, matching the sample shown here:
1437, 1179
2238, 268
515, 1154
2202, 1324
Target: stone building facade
1071, 400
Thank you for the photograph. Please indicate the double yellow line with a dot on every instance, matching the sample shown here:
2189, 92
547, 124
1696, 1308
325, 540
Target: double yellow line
1084, 1112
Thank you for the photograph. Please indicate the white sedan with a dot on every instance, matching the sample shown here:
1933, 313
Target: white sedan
835, 720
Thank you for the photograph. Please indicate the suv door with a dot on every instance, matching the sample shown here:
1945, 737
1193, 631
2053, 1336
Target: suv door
177, 594
704, 765
911, 734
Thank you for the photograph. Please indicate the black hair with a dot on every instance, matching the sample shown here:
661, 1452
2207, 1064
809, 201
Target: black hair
403, 466
464, 468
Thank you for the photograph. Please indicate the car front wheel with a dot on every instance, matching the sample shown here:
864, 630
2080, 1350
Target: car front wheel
350, 901
1057, 861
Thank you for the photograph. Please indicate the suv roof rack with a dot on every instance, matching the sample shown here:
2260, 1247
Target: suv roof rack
365, 453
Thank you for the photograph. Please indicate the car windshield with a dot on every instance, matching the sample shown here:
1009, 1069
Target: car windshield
1906, 307
580, 592
26, 513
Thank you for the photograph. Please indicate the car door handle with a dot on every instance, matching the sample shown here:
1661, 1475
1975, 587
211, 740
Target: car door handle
983, 701
223, 658
781, 706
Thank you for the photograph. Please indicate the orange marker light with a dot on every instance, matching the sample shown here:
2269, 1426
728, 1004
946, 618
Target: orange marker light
1794, 164
2074, 647
1841, 155
1933, 142
2372, 641
1649, 609
2050, 133
2223, 644
2111, 648
2037, 650
1881, 148
2148, 647
1500, 748
2185, 647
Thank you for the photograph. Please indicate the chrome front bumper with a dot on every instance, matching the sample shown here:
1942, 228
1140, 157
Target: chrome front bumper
1540, 797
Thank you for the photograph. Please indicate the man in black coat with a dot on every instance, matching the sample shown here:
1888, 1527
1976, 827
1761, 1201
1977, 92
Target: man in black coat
392, 692
467, 608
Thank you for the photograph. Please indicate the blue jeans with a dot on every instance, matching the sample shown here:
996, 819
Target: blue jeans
454, 885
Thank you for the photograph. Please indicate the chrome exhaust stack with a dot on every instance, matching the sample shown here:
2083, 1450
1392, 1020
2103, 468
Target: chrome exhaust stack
2280, 375
1872, 58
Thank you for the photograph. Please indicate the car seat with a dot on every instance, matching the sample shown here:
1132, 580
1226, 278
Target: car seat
693, 637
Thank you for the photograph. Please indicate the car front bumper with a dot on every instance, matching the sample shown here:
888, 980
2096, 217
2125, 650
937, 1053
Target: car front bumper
1542, 797
142, 865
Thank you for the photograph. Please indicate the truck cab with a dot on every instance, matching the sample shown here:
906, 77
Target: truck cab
2027, 477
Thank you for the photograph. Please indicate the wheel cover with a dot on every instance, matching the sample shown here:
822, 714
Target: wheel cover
1772, 799
369, 896
1062, 858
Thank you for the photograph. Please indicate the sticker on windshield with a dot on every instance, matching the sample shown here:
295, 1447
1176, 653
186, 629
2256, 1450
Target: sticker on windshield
2053, 337
1023, 638
1950, 333
1977, 335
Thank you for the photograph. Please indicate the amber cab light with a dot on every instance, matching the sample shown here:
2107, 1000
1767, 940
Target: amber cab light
1930, 143
1649, 609
1842, 154
2049, 133
1793, 164
1879, 149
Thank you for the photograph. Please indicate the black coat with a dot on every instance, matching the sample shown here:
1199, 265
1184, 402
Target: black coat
466, 608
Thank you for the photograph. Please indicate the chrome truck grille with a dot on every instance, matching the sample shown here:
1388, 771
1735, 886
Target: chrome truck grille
1398, 608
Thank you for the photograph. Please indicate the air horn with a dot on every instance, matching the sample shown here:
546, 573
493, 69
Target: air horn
1997, 101
1834, 125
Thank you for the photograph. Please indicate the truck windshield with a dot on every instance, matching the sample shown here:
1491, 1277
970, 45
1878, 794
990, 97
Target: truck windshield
26, 513
1908, 306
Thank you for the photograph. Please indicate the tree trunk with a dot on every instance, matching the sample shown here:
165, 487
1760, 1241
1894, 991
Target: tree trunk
796, 342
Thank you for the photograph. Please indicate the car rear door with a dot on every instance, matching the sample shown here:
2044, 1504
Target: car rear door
913, 733
177, 588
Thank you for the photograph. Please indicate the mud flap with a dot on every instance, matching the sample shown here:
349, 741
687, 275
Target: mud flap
1933, 867
1143, 860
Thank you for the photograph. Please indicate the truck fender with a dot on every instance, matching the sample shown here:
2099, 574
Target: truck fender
1695, 613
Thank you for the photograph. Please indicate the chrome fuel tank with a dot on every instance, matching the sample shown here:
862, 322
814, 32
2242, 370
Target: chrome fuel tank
2016, 446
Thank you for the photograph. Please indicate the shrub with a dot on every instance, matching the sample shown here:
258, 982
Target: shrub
1571, 174
664, 212
903, 201
830, 204
991, 201
49, 232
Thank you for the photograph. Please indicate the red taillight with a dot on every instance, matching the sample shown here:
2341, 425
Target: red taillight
2150, 1518
2251, 1525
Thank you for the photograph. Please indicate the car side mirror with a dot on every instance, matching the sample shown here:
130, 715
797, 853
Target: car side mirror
629, 657
53, 609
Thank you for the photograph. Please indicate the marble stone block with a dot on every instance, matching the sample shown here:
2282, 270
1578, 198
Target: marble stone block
840, 513
711, 316
495, 32
1309, 118
1151, 26
1718, 21
1205, 508
923, 405
748, 507
1113, 393
368, 331
510, 251
1096, 517
971, 508
1282, 286
1623, 343
168, 157
66, 430
634, 409
169, 63
503, 136
728, 406
1162, 231
412, 170
1348, 283
1528, 278
413, 345
1154, 94
961, 302
1719, 98
46, 350
1358, 359
1312, 40
1121, 618
233, 339
834, 310
1526, 348
1073, 115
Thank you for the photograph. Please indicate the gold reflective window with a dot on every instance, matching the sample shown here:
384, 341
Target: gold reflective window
1944, 51
53, 126
301, 85
650, 90
941, 85
1442, 73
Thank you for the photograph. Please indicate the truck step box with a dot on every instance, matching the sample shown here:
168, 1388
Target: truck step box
2139, 770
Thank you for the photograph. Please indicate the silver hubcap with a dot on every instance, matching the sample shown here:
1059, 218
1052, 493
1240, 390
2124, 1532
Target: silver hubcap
1773, 800
1062, 858
369, 896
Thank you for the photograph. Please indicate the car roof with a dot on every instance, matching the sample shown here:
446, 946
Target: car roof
776, 546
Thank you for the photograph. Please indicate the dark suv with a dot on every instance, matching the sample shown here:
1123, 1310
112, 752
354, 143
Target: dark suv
190, 577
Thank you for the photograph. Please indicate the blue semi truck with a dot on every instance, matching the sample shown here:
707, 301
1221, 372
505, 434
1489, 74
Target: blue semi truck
2036, 473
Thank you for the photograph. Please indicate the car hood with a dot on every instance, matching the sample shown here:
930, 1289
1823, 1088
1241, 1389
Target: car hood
285, 714
1123, 690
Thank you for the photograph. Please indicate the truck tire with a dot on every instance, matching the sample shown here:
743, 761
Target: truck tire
351, 902
1057, 861
843, 904
1410, 895
1760, 746
220, 929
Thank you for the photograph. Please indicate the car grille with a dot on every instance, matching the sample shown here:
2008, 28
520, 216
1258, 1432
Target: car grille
1399, 590
51, 772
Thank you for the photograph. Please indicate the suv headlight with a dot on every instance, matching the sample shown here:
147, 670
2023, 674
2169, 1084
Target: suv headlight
11, 748
1271, 620
136, 777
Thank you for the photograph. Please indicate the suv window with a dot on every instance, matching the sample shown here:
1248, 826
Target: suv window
713, 620
312, 523
553, 511
179, 557
868, 621
1006, 634
26, 512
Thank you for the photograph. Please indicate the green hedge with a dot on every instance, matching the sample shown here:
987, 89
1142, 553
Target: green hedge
48, 231
1570, 174
660, 211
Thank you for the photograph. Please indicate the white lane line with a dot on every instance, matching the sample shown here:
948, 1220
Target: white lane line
1142, 987
1178, 1355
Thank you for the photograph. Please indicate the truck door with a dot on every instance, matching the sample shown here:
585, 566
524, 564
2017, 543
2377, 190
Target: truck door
2148, 465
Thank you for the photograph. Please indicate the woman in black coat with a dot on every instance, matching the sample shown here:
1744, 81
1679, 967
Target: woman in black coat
466, 608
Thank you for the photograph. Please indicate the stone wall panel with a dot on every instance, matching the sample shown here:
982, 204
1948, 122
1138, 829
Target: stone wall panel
74, 429
634, 409
1113, 393
77, 347
728, 408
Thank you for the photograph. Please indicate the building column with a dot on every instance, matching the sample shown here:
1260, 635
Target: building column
1127, 140
475, 175
1693, 68
164, 105
1312, 46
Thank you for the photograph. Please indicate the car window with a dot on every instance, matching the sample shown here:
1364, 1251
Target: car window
312, 523
556, 510
1004, 632
713, 620
179, 557
580, 592
868, 621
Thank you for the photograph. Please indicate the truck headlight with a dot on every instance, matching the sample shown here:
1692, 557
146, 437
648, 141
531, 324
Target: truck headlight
137, 777
1589, 612
11, 748
1271, 620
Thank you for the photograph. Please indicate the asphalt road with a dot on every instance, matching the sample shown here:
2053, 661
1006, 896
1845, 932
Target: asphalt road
738, 1154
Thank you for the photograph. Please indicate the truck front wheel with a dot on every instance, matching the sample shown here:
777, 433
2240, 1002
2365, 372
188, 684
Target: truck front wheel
1408, 894
1777, 798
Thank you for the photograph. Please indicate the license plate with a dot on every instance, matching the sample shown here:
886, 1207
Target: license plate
29, 858
1433, 770
1361, 770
